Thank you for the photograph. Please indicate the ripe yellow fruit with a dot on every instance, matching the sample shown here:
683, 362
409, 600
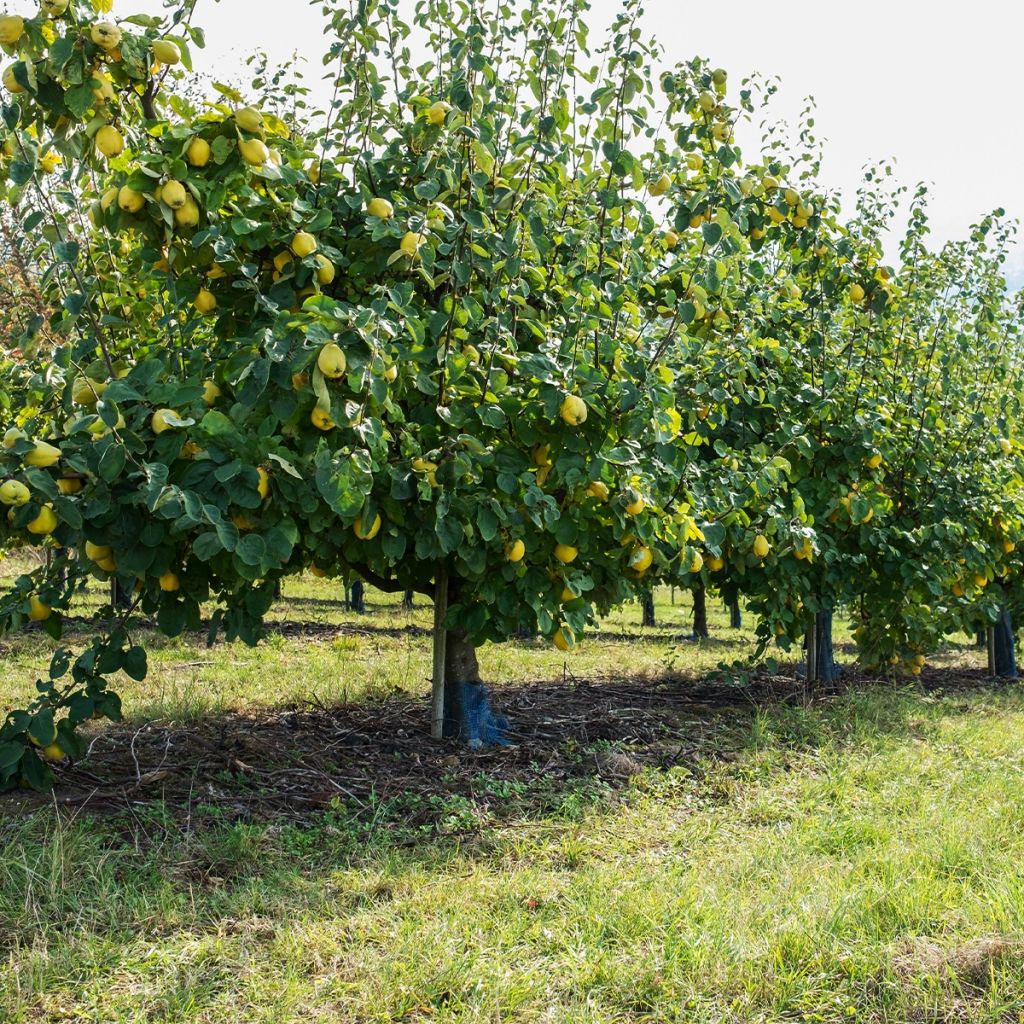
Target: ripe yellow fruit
670, 239
109, 141
254, 152
382, 208
173, 194
542, 456
129, 200
694, 161
69, 485
85, 391
106, 35
364, 533
321, 419
12, 436
565, 553
697, 562
1008, 546
715, 564
42, 456
761, 547
11, 28
331, 361
324, 269
980, 581
411, 242
160, 421
166, 52
598, 489
315, 570
873, 461
514, 552
661, 186
1005, 445
567, 595
11, 84
206, 302
188, 215
38, 611
564, 638
198, 152
249, 119
856, 293
391, 373
54, 752
437, 112
96, 552
636, 505
14, 493
44, 523
303, 244
169, 582
706, 102
574, 410
640, 558
211, 392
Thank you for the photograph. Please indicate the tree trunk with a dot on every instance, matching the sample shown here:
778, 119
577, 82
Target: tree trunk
700, 613
980, 636
119, 597
357, 602
735, 616
821, 662
647, 604
1002, 649
407, 601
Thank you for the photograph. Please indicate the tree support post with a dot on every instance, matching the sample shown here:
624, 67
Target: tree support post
440, 651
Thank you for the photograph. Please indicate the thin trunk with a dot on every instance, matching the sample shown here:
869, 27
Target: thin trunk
407, 601
735, 616
357, 600
700, 613
1003, 658
647, 604
821, 662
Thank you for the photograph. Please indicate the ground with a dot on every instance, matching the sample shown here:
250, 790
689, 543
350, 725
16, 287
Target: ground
270, 838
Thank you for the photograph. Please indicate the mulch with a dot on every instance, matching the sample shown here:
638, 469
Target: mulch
290, 763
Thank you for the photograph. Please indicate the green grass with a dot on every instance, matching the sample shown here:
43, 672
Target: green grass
858, 859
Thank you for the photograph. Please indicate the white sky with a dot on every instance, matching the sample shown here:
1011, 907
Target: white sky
934, 84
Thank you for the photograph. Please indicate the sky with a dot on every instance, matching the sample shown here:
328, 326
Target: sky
934, 85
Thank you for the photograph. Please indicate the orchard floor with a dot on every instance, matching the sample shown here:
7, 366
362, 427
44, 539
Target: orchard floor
269, 837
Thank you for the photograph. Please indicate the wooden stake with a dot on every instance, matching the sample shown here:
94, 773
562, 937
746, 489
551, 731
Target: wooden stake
440, 650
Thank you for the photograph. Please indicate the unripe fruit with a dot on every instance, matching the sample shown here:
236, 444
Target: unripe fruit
129, 200
198, 152
106, 35
303, 244
565, 553
331, 361
574, 410
166, 52
514, 552
85, 391
109, 141
706, 102
364, 533
249, 119
254, 152
380, 208
173, 194
11, 29
14, 493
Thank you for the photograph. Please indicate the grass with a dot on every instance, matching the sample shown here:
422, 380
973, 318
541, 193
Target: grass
857, 859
